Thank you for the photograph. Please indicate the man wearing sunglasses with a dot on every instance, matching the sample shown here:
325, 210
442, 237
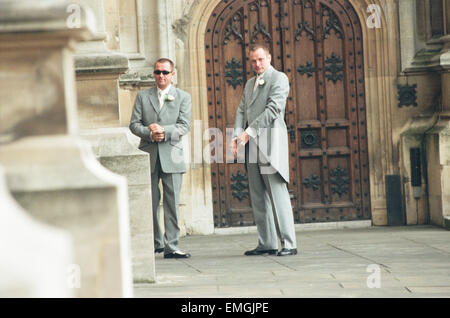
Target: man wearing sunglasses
161, 116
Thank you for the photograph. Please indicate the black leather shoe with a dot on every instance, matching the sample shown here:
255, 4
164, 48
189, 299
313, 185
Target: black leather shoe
287, 251
159, 250
177, 254
260, 252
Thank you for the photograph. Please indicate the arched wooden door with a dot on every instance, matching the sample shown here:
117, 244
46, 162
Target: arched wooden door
318, 44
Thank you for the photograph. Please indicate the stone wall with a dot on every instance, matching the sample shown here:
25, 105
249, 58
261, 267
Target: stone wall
100, 115
49, 170
171, 34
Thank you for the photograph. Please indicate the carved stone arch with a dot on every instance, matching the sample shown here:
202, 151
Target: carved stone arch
381, 67
380, 70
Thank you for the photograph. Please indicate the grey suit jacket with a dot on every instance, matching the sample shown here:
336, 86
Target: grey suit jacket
175, 117
263, 110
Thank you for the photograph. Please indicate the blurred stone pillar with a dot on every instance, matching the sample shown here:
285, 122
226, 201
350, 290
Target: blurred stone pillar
116, 149
34, 258
97, 73
50, 171
446, 10
166, 39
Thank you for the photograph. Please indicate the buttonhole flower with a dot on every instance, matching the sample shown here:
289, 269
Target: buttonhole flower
169, 98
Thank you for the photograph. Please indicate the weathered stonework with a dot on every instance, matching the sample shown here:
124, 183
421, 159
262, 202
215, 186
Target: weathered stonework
180, 33
100, 115
114, 150
51, 172
36, 259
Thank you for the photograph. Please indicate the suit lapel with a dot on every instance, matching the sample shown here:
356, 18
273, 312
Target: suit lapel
259, 88
154, 99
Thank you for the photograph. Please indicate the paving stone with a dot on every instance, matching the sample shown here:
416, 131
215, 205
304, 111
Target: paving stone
331, 263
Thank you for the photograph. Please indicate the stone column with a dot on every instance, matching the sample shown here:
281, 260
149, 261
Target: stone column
34, 258
447, 16
438, 155
98, 70
117, 150
97, 74
50, 171
438, 165
196, 211
166, 38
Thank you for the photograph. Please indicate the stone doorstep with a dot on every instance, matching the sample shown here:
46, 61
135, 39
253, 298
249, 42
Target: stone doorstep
447, 222
300, 227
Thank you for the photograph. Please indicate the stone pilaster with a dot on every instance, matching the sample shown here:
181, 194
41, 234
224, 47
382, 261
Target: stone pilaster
439, 145
97, 71
166, 38
116, 150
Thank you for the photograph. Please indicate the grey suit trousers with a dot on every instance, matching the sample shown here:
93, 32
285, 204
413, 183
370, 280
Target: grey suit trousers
272, 209
171, 183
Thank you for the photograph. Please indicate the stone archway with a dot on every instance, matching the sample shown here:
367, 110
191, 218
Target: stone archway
318, 45
380, 69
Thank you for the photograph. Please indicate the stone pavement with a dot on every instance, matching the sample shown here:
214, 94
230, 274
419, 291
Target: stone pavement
408, 261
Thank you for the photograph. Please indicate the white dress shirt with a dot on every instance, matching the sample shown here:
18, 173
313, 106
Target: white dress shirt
162, 94
250, 131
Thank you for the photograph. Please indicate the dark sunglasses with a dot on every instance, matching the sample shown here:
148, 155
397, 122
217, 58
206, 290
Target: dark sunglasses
158, 72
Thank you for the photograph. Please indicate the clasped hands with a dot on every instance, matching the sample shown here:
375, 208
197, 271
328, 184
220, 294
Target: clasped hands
157, 132
241, 140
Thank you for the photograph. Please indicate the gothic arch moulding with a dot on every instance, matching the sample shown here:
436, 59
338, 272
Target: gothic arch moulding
380, 45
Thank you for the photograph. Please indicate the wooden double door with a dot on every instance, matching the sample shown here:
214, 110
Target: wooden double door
318, 44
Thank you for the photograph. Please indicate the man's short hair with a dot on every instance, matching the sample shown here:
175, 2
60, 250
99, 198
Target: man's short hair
166, 60
255, 47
